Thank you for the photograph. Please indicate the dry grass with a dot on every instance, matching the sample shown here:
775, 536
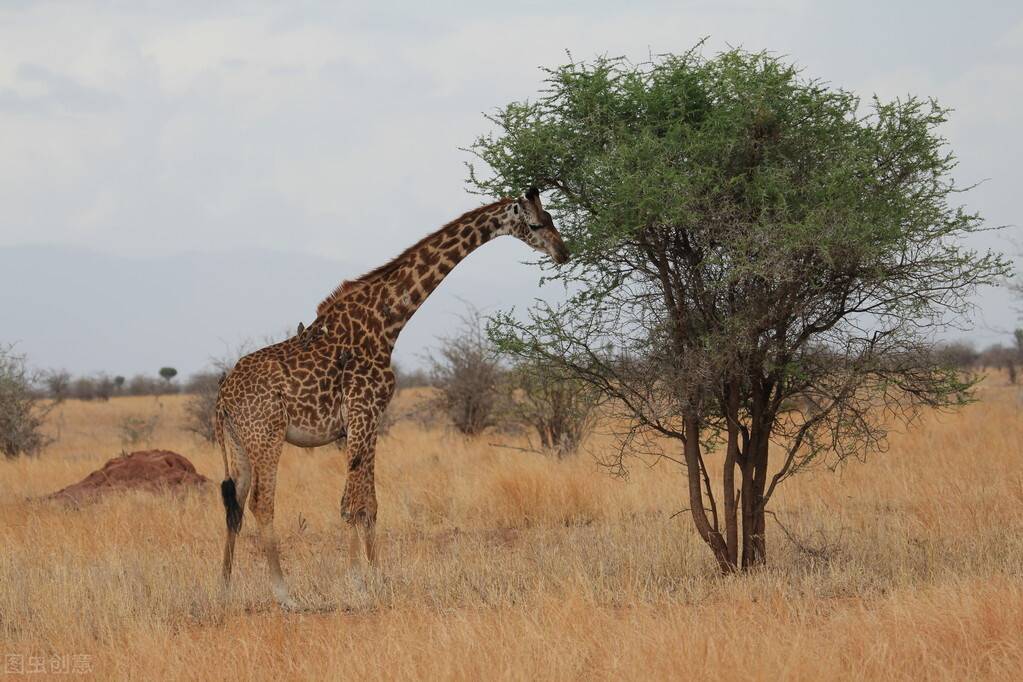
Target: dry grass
497, 563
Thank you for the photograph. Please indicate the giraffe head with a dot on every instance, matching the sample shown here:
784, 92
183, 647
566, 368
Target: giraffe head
527, 221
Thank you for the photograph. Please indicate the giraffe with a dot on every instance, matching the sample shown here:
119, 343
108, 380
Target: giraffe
333, 379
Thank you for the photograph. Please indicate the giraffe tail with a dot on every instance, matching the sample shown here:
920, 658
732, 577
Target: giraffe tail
228, 490
231, 507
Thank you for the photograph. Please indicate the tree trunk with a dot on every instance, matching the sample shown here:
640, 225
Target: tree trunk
709, 534
754, 480
728, 477
754, 537
759, 540
746, 467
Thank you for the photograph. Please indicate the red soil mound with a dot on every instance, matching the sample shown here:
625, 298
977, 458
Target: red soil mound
148, 470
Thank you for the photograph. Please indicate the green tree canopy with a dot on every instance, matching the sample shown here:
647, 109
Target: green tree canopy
757, 257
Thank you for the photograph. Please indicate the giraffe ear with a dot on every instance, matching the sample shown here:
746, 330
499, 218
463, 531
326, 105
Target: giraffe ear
533, 193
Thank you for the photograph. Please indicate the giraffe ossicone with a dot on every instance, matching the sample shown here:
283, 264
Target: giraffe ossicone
333, 379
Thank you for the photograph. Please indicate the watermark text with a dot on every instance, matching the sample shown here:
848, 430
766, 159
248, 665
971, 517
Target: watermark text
47, 664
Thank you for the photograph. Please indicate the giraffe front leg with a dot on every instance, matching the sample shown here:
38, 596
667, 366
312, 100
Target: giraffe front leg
359, 502
366, 401
359, 510
358, 513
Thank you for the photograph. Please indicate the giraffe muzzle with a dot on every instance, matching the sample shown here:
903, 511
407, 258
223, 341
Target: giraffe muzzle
561, 254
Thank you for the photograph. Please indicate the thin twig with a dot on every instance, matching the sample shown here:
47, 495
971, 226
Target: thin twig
515, 447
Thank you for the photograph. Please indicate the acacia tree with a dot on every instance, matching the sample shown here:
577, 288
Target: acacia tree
757, 259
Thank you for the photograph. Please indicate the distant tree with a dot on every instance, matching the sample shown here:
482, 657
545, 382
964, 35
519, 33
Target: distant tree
203, 388
168, 373
1001, 357
1017, 356
958, 354
143, 385
119, 384
21, 414
202, 400
409, 378
467, 372
104, 387
558, 406
990, 356
58, 383
743, 240
84, 388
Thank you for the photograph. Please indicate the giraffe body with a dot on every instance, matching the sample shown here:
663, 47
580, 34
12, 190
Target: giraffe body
333, 379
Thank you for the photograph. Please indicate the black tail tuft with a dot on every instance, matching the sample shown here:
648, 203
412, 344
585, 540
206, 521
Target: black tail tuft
234, 512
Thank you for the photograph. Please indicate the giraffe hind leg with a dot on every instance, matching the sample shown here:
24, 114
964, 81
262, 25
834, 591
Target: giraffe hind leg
234, 491
262, 506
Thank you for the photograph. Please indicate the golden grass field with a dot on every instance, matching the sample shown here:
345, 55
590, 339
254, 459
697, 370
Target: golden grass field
502, 564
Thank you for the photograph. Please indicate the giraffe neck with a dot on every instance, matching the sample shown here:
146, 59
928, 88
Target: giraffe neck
395, 291
424, 268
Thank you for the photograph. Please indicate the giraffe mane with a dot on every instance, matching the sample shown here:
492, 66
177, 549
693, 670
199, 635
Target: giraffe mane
349, 285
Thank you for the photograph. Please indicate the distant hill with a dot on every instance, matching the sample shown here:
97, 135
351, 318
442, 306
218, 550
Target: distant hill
89, 311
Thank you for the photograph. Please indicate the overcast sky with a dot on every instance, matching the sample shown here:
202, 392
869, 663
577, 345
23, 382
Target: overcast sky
333, 129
